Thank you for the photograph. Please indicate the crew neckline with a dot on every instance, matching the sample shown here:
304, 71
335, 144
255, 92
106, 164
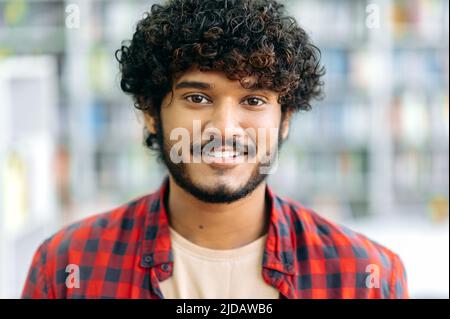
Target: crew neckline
182, 243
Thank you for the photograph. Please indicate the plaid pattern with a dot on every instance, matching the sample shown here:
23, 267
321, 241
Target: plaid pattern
126, 252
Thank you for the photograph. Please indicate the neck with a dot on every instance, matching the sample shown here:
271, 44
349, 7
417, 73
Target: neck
217, 225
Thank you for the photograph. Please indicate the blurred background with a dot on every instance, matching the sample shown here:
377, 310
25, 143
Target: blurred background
373, 155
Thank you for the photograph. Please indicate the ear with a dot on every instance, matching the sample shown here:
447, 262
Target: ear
148, 119
150, 123
285, 125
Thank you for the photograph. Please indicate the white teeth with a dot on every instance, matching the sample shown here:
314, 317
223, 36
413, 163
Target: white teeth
223, 154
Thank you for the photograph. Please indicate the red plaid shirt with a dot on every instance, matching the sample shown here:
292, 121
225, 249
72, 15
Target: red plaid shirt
126, 252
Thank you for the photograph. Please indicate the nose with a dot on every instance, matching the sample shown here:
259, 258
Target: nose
225, 120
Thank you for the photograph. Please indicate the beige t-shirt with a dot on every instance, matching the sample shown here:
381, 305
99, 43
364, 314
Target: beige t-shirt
201, 272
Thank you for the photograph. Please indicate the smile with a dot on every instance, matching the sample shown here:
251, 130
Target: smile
224, 154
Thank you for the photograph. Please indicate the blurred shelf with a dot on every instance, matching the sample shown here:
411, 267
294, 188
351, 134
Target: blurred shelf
377, 145
344, 136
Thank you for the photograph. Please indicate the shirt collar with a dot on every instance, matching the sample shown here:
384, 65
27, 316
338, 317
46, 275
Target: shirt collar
156, 244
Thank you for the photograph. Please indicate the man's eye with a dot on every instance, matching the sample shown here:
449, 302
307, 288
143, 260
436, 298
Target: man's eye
196, 98
254, 101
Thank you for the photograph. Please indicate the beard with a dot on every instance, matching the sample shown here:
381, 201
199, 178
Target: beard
220, 193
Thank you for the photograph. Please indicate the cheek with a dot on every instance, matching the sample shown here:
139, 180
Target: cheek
175, 122
266, 139
262, 128
178, 134
265, 132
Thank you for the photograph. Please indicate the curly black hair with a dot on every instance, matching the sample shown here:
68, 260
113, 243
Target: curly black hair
239, 37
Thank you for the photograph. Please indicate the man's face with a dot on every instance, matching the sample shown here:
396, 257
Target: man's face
215, 135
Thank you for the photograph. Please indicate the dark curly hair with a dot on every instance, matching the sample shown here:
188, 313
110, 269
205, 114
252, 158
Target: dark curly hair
239, 37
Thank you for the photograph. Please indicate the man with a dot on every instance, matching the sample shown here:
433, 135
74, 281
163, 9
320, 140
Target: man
217, 82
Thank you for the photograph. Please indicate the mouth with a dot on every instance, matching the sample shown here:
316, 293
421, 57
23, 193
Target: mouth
223, 158
223, 162
224, 154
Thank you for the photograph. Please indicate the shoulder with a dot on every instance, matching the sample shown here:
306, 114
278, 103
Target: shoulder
89, 240
87, 245
125, 218
341, 250
318, 230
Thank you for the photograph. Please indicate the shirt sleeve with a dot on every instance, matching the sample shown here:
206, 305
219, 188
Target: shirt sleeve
399, 285
36, 282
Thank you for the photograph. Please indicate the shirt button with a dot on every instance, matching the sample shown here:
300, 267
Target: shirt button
166, 267
148, 259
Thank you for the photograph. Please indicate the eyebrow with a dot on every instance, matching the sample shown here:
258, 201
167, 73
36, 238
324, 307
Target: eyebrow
193, 85
207, 86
